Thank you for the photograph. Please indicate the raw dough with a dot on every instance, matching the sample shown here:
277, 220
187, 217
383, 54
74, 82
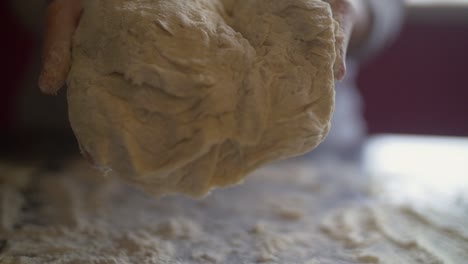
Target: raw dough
185, 96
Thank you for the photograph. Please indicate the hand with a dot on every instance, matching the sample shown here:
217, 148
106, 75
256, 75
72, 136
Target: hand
353, 19
62, 18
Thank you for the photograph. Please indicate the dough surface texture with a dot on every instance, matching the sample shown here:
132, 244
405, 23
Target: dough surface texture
186, 96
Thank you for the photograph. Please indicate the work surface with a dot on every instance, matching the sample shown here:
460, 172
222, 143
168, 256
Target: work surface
291, 212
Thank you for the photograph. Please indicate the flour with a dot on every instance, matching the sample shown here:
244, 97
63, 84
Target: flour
379, 233
179, 228
74, 216
183, 97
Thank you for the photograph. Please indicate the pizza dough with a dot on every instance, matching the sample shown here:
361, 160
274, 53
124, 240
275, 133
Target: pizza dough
186, 96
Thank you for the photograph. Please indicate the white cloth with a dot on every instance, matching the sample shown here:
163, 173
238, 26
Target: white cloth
387, 18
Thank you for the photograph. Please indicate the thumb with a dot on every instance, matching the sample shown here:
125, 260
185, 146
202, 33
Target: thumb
61, 20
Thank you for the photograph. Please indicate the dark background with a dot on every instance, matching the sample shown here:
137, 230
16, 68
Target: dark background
419, 85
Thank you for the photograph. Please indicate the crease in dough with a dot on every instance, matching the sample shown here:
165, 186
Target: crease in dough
186, 96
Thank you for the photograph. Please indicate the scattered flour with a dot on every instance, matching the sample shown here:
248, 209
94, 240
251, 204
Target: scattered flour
379, 233
74, 216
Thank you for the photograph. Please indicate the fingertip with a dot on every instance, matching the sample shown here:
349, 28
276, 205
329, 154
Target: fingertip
48, 84
340, 72
56, 64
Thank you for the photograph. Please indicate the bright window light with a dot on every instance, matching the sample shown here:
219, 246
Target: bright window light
437, 2
417, 169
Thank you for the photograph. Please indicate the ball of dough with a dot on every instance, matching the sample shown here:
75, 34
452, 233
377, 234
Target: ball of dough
186, 96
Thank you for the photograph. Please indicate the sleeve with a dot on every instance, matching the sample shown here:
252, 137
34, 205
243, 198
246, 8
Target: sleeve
387, 18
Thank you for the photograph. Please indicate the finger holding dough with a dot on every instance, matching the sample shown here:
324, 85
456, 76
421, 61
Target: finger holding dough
343, 13
62, 17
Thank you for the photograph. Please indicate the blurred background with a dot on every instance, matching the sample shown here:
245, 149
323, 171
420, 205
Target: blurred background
417, 86
420, 84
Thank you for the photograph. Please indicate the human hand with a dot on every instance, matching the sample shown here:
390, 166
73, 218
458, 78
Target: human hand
62, 18
353, 19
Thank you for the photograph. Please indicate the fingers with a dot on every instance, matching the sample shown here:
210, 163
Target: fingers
343, 13
62, 17
340, 62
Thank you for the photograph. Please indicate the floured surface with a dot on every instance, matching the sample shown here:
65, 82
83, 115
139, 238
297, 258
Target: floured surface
183, 97
383, 234
73, 216
285, 213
